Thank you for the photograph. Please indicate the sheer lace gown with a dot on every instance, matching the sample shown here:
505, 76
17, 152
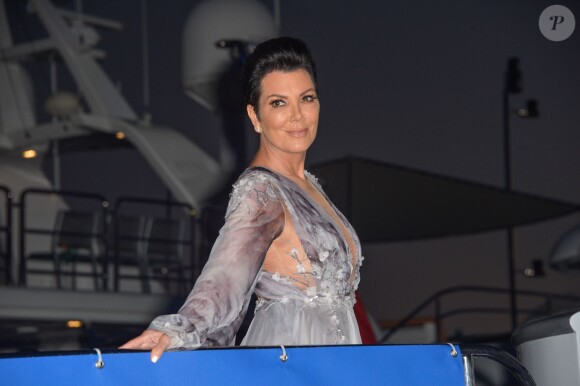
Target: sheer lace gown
295, 250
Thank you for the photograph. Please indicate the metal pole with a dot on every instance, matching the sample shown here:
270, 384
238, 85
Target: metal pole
9, 249
145, 59
512, 278
507, 141
468, 370
438, 331
510, 234
22, 262
277, 15
56, 165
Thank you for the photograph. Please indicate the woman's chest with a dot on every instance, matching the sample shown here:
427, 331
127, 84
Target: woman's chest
313, 250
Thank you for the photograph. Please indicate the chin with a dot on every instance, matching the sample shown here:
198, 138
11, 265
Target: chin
299, 149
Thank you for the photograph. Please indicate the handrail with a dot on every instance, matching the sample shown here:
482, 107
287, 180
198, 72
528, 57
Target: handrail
189, 211
435, 298
153, 201
104, 203
485, 310
8, 233
505, 359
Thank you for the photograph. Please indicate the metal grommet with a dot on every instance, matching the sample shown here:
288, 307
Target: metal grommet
453, 350
283, 357
99, 364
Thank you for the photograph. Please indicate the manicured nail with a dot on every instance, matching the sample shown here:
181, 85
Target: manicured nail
155, 359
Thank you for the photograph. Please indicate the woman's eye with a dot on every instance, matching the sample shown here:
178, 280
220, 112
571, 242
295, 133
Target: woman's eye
309, 98
277, 103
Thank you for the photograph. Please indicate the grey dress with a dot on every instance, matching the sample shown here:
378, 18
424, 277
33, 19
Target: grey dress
301, 261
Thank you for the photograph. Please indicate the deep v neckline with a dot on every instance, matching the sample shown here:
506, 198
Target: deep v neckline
311, 199
353, 258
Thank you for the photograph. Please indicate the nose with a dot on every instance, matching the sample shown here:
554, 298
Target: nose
296, 113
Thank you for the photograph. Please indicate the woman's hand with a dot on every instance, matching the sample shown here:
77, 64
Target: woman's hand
153, 340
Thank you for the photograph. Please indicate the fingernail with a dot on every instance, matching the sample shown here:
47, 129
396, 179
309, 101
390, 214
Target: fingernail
155, 359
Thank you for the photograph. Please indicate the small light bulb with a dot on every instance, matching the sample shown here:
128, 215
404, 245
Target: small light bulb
74, 324
529, 272
523, 113
29, 153
120, 135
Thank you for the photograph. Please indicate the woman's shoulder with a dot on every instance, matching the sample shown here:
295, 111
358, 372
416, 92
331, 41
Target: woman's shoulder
256, 186
256, 177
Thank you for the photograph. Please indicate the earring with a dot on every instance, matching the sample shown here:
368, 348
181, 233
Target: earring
258, 129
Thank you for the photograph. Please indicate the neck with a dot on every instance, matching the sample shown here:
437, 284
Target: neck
289, 165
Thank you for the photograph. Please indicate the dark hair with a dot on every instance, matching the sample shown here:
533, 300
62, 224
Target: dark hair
278, 54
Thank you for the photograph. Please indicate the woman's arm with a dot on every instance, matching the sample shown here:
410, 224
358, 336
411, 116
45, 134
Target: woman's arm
215, 308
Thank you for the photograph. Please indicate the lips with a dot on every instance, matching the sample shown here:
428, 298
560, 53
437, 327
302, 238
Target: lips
298, 133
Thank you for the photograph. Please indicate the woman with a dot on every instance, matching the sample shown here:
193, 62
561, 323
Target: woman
283, 239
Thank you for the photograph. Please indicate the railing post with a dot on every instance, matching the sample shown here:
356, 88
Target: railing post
9, 230
21, 237
194, 256
438, 331
8, 236
468, 370
105, 252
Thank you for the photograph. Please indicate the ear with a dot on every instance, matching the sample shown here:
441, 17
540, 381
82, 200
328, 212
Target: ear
253, 116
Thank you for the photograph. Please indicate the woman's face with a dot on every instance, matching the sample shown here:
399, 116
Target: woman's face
289, 110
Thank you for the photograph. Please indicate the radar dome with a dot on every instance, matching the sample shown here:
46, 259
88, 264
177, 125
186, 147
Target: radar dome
205, 64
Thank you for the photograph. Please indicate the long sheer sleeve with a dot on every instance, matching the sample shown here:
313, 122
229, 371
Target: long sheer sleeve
215, 308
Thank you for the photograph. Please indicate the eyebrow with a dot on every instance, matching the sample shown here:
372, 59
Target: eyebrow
285, 97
